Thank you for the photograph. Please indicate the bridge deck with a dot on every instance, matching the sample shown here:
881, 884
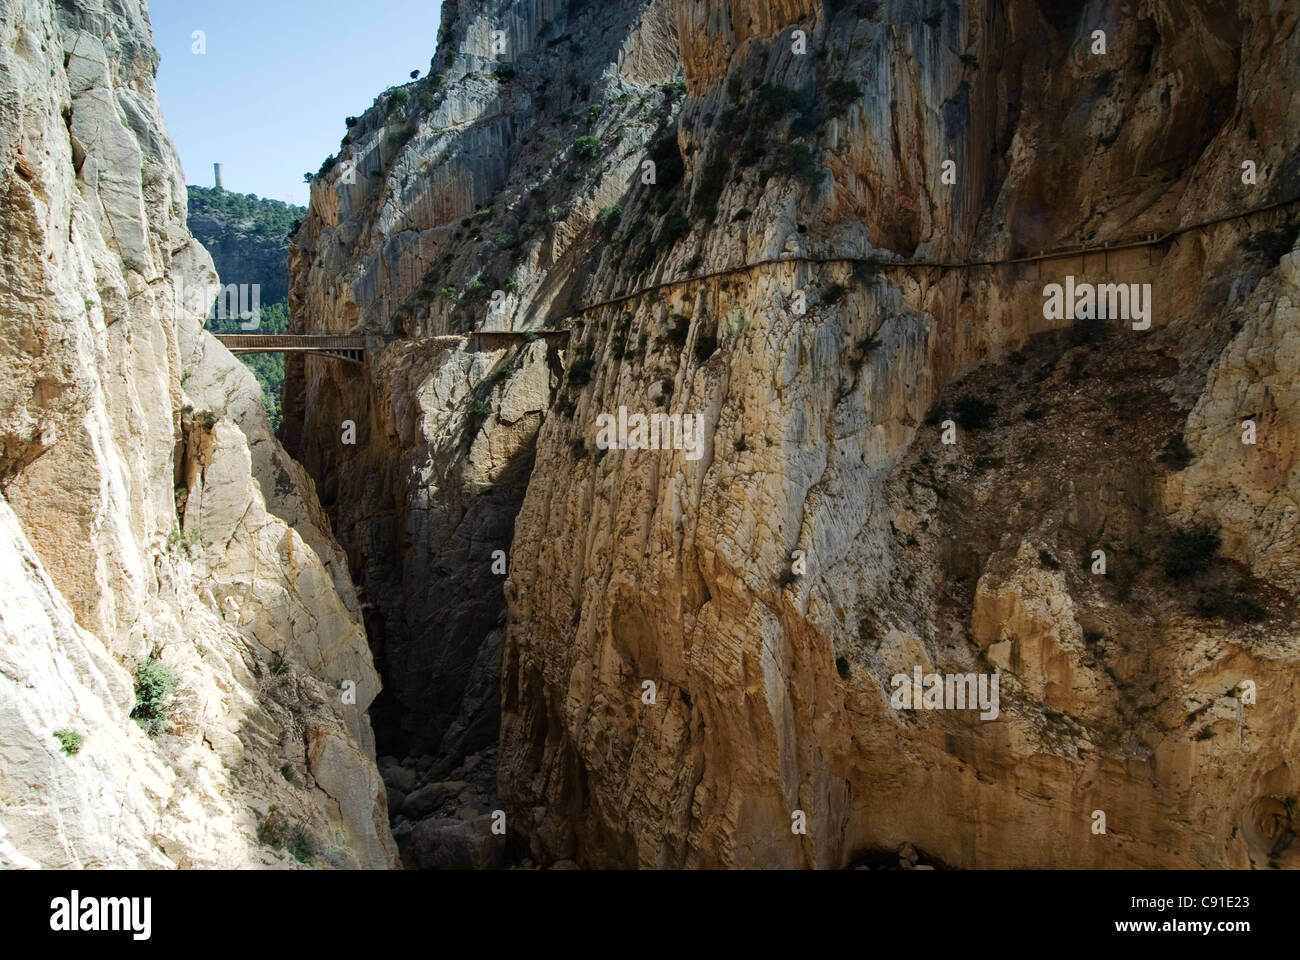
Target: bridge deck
355, 347
282, 342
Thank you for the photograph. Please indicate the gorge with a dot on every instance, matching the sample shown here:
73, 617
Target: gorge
468, 631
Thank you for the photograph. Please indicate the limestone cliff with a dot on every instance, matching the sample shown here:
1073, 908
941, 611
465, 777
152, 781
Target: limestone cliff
151, 523
841, 139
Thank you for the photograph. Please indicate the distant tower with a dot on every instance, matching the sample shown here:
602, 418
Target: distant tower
216, 173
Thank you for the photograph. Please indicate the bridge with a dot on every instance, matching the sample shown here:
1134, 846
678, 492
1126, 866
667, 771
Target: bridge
351, 349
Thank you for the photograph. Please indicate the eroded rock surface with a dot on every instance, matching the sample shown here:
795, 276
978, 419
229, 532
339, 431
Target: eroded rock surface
149, 514
824, 386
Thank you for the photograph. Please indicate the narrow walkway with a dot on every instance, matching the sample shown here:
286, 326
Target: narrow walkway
882, 265
354, 348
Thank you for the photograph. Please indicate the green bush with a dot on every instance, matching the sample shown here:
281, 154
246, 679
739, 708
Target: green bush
797, 160
586, 148
504, 72
774, 102
399, 138
397, 101
302, 845
580, 372
504, 241
1190, 551
69, 741
275, 831
868, 270
608, 220
843, 92
674, 228
270, 218
154, 686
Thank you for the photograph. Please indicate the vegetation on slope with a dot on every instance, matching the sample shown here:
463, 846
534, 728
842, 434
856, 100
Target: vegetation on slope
271, 219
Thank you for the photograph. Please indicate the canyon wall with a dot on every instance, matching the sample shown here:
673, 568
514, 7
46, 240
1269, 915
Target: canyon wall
828, 538
152, 525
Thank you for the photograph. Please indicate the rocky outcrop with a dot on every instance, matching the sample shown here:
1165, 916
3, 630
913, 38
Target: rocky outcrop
148, 515
827, 538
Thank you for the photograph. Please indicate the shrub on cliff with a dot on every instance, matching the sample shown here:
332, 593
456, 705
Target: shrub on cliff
798, 160
842, 92
586, 148
154, 686
580, 372
608, 220
397, 101
69, 741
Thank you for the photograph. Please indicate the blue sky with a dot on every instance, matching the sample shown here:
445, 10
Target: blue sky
268, 98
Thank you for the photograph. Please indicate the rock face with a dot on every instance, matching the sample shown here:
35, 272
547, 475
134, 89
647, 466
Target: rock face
148, 513
827, 539
431, 206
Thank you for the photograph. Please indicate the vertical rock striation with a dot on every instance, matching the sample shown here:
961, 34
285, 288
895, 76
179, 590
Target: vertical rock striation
823, 384
148, 513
